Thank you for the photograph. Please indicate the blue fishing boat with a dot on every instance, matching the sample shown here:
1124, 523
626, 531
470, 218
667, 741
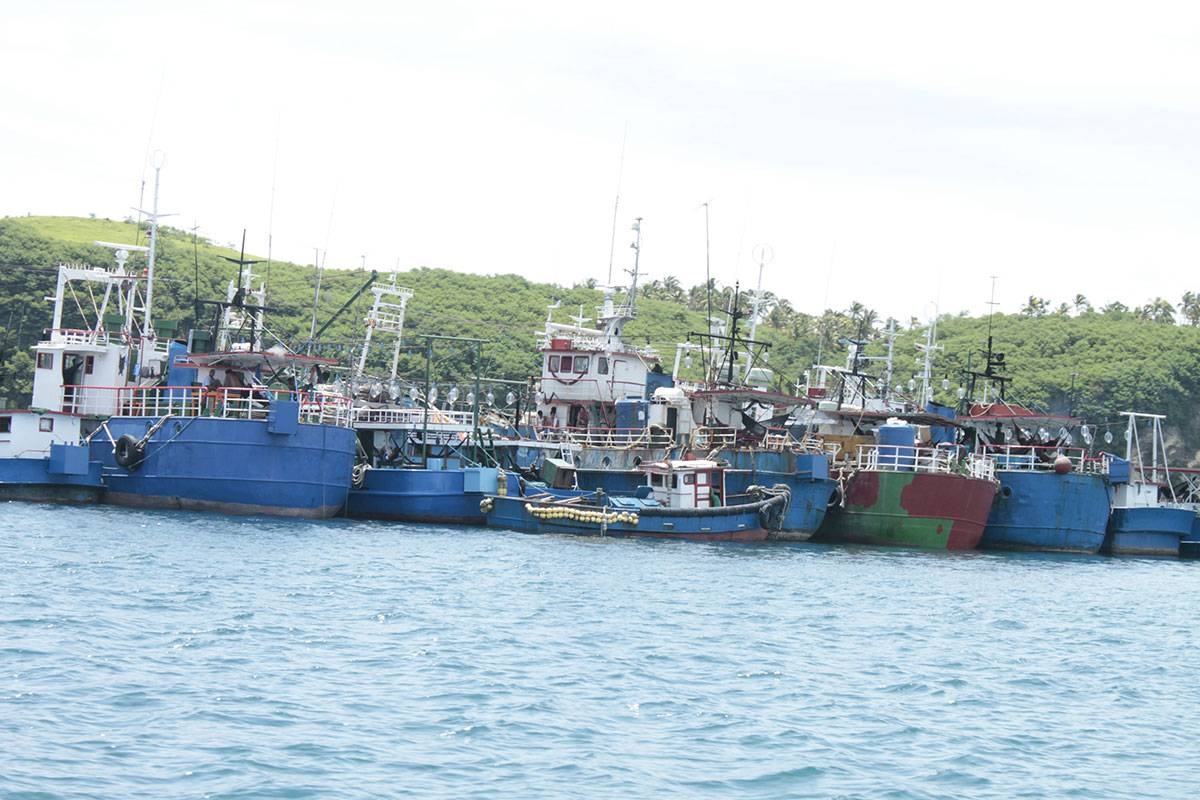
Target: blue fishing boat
221, 428
1051, 499
236, 446
42, 454
681, 499
422, 465
42, 457
1054, 496
1142, 521
418, 461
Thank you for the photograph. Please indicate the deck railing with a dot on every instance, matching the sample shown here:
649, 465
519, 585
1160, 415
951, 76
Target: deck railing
649, 437
231, 402
710, 437
77, 336
900, 458
1041, 458
413, 417
781, 439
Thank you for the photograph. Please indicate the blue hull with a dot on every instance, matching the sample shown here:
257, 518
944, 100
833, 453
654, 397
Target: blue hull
448, 496
39, 480
611, 481
1148, 531
806, 475
1189, 545
1045, 511
721, 524
233, 466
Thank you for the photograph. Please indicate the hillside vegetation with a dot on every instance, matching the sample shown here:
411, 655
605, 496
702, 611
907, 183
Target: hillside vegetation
1068, 357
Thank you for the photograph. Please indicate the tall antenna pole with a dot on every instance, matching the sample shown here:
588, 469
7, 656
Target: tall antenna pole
764, 255
637, 252
148, 329
991, 310
707, 266
825, 302
735, 314
271, 212
312, 330
928, 350
195, 276
612, 243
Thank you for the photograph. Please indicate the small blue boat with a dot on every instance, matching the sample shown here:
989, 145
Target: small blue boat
418, 462
1142, 522
680, 500
436, 493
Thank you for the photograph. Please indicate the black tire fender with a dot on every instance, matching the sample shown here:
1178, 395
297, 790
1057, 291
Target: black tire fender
128, 452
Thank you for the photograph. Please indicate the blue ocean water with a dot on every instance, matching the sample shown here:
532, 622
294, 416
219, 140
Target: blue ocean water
156, 655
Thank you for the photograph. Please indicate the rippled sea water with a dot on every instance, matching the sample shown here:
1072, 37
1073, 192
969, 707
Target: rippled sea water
153, 655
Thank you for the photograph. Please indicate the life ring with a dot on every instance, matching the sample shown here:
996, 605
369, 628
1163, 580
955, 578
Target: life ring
128, 452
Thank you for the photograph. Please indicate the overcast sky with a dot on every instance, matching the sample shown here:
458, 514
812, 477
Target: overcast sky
890, 153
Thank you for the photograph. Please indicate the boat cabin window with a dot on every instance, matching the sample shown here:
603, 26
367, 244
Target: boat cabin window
602, 365
45, 360
46, 424
89, 364
581, 364
566, 363
656, 479
689, 479
553, 363
5, 424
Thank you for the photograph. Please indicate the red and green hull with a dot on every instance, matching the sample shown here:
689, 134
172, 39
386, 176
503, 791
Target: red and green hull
910, 509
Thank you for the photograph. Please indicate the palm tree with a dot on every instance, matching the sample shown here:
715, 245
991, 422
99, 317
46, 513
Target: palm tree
1190, 308
672, 288
653, 290
1116, 308
1036, 307
697, 296
864, 319
782, 315
1081, 304
1158, 310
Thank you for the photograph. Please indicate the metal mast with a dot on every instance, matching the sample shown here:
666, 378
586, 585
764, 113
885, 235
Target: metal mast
386, 315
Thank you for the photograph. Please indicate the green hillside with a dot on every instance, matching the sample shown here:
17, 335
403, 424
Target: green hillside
1095, 363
